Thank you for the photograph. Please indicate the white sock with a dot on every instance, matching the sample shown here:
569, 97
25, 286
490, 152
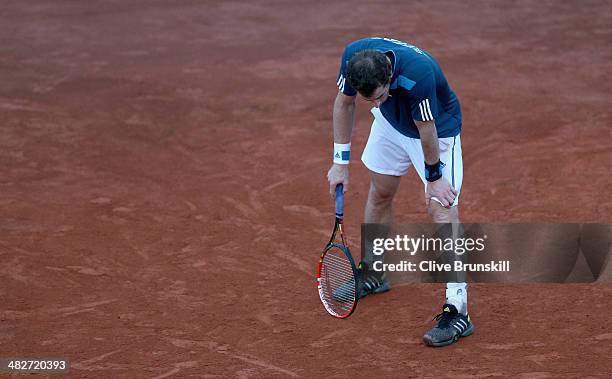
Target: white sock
456, 294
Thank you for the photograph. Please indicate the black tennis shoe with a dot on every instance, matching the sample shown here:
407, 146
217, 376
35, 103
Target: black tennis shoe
451, 326
371, 282
368, 282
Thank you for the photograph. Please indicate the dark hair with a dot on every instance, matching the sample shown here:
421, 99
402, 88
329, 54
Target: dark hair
368, 70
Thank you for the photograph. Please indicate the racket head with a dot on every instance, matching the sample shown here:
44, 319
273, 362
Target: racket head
337, 281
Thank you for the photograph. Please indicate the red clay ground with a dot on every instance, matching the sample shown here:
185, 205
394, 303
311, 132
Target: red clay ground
163, 196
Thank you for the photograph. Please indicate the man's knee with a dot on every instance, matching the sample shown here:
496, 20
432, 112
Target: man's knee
380, 196
382, 189
440, 214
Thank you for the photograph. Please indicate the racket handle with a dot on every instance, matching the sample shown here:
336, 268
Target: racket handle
340, 201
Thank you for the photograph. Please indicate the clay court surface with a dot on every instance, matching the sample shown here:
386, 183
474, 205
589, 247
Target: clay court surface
163, 197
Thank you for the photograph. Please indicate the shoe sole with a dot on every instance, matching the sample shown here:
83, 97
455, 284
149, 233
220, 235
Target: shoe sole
466, 333
384, 288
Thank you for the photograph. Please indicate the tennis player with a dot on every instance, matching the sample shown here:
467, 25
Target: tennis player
417, 123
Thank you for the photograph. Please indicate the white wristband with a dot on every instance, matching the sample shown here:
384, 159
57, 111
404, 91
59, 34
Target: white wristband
342, 153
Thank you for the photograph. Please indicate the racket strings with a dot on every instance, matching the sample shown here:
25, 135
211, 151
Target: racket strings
338, 281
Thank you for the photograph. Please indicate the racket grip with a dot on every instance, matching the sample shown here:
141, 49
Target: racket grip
340, 201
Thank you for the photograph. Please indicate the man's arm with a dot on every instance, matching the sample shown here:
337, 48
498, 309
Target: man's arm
343, 118
440, 188
343, 122
429, 141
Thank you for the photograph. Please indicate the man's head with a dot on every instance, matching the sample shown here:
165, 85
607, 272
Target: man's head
369, 72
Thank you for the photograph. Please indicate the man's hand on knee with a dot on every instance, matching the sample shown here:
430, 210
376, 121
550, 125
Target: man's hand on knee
441, 190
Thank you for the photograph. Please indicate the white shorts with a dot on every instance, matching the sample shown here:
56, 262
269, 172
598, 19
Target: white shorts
389, 152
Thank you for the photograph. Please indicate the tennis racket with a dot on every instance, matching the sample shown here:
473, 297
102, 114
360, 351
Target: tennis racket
336, 273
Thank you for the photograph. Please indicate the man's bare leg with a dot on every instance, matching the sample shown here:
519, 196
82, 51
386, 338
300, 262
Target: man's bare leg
379, 208
456, 289
442, 215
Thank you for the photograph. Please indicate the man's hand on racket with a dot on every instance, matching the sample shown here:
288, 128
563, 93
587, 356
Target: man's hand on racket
338, 174
441, 190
